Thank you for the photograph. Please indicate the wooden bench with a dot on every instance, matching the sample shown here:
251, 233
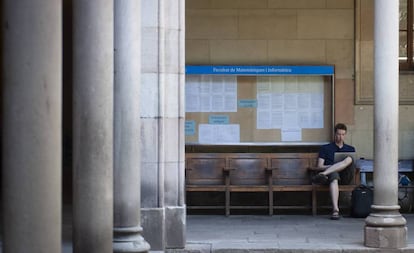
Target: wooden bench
290, 174
205, 173
254, 172
227, 173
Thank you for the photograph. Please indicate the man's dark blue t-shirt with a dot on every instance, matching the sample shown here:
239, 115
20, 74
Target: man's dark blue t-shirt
327, 152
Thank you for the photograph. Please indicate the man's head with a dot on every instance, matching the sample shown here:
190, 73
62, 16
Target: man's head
340, 132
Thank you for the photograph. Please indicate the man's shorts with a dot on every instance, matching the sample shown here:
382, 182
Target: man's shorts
344, 177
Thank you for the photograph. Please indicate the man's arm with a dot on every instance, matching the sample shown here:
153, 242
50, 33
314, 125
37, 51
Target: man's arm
341, 164
347, 161
338, 166
321, 165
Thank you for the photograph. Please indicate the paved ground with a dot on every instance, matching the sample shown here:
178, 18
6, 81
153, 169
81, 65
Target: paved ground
280, 233
273, 234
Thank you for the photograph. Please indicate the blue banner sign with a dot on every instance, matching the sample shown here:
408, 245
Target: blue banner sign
218, 119
259, 70
247, 103
190, 127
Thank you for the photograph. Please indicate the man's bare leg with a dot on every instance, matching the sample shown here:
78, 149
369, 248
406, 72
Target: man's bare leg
337, 166
334, 189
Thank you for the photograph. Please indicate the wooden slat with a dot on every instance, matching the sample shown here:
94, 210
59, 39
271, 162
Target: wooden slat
249, 207
292, 188
248, 188
297, 207
205, 188
342, 188
205, 207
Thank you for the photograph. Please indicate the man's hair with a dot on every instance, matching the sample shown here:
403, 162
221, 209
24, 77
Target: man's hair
340, 126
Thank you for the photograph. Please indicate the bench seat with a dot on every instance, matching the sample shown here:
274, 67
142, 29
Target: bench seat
205, 188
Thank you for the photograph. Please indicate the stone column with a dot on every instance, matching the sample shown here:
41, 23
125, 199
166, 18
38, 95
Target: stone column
127, 160
32, 115
162, 117
385, 227
93, 79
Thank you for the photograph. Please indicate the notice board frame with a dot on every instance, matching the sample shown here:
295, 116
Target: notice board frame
327, 71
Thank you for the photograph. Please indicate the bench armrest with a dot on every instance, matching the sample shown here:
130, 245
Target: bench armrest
357, 176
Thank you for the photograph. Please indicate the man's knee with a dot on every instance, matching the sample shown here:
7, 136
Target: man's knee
344, 163
347, 161
333, 176
334, 182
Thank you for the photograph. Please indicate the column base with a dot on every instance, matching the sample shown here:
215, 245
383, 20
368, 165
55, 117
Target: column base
385, 227
175, 226
385, 237
164, 227
153, 223
129, 240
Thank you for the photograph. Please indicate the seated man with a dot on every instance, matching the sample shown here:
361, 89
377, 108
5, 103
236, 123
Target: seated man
332, 172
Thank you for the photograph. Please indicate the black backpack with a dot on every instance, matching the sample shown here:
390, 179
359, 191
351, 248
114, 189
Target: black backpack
361, 201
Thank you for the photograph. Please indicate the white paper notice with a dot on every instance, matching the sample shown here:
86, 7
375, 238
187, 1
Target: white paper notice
263, 102
277, 119
290, 119
316, 119
230, 103
291, 102
192, 103
263, 85
213, 134
291, 134
304, 100
205, 103
277, 101
304, 119
316, 101
264, 120
207, 93
217, 103
217, 85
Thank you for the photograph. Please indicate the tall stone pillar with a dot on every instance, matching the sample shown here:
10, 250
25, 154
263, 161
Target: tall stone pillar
385, 227
32, 115
162, 123
127, 157
93, 75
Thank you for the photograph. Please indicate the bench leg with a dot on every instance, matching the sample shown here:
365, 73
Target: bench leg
227, 197
227, 194
270, 202
314, 203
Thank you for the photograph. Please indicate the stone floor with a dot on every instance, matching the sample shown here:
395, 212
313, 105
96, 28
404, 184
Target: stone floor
271, 234
281, 233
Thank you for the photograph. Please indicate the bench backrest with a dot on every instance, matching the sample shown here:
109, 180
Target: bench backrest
293, 168
249, 168
205, 169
